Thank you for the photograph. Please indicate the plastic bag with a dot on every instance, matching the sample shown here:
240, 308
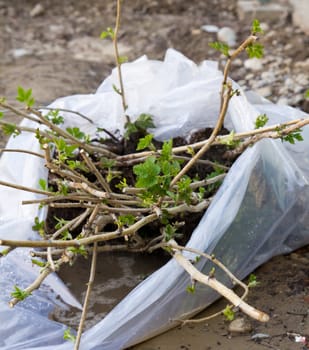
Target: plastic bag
260, 210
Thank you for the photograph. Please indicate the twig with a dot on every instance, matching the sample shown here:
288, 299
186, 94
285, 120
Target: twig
118, 63
100, 237
66, 110
16, 150
219, 287
87, 297
33, 286
95, 170
212, 137
27, 189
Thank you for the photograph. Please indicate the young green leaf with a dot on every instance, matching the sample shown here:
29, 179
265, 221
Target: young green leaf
221, 47
255, 50
147, 173
125, 220
108, 33
144, 122
229, 313
256, 27
261, 121
307, 94
122, 59
54, 117
253, 281
145, 142
77, 133
38, 262
39, 226
81, 250
19, 293
293, 137
25, 96
10, 129
190, 289
67, 335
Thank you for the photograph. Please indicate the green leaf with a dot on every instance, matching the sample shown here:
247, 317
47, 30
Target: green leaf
67, 335
221, 47
293, 137
144, 142
25, 96
10, 129
122, 59
19, 293
122, 184
253, 281
169, 232
39, 226
76, 133
191, 289
54, 117
229, 313
38, 262
81, 250
256, 27
229, 140
43, 184
307, 94
125, 220
255, 50
108, 33
147, 173
167, 150
60, 222
144, 122
117, 90
1, 115
261, 121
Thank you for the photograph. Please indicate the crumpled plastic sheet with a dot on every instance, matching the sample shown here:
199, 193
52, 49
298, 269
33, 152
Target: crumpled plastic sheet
260, 210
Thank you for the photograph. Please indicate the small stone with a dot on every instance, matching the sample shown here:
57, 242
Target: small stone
37, 10
227, 35
210, 28
17, 53
264, 91
195, 31
259, 336
253, 64
240, 325
283, 101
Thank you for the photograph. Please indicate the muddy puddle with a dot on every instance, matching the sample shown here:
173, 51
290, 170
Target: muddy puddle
116, 275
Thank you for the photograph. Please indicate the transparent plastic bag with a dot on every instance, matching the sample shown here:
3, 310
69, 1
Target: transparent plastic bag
260, 210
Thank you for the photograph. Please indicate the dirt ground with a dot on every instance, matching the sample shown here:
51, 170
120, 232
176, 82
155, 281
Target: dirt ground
57, 52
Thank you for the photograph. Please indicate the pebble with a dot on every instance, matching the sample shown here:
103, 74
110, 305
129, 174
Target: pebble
264, 91
227, 35
37, 10
283, 101
210, 28
253, 64
240, 325
17, 53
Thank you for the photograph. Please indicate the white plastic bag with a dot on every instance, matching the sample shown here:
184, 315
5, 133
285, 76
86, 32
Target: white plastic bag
260, 210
